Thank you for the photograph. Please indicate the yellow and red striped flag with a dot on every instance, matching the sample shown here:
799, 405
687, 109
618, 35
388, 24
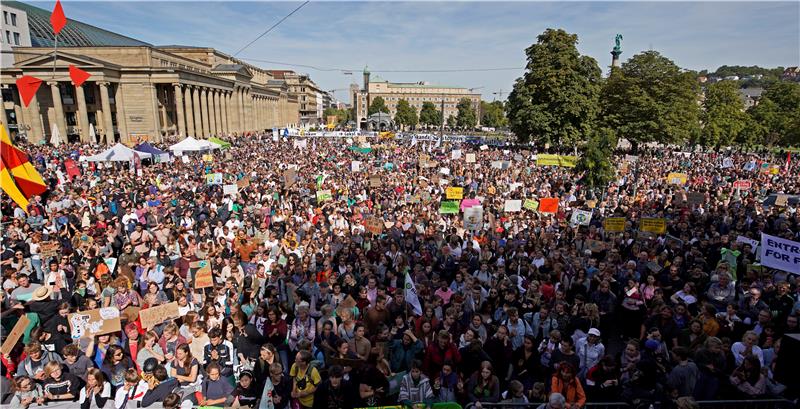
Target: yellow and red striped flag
18, 177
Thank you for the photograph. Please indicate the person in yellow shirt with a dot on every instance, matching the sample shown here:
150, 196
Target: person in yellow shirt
305, 379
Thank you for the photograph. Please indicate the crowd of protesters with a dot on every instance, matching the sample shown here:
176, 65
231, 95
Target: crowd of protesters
310, 309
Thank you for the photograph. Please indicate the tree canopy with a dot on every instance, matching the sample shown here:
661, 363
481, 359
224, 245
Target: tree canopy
429, 115
493, 114
556, 100
377, 105
651, 99
405, 115
777, 115
466, 118
723, 115
595, 163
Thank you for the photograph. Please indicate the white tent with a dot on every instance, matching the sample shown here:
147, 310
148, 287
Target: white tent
117, 153
191, 144
55, 138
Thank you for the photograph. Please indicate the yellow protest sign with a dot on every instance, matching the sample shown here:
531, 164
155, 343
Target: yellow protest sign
208, 158
614, 224
653, 225
454, 193
568, 161
547, 160
677, 178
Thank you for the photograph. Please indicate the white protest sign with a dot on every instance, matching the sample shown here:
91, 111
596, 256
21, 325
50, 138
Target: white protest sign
473, 218
780, 253
512, 206
231, 190
470, 158
581, 217
746, 240
355, 166
456, 154
727, 163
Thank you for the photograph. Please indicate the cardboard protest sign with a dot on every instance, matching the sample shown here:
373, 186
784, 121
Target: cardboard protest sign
484, 147
531, 204
289, 178
512, 205
473, 218
781, 200
375, 181
243, 182
214, 179
230, 190
454, 193
581, 217
203, 277
677, 178
208, 158
324, 195
94, 322
48, 249
153, 316
694, 198
780, 253
652, 225
374, 225
15, 334
614, 224
497, 164
449, 207
470, 158
548, 205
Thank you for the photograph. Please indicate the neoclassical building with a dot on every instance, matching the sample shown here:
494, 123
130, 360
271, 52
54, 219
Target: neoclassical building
145, 92
137, 91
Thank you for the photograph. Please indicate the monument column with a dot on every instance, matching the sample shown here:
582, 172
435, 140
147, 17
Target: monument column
105, 102
212, 117
179, 109
61, 121
198, 122
83, 115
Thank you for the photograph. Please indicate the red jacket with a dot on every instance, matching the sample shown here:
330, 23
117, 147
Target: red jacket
435, 358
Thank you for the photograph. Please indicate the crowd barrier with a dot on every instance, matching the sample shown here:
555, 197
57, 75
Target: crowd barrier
710, 404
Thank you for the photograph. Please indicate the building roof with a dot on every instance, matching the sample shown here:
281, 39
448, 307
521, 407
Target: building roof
74, 34
753, 92
280, 74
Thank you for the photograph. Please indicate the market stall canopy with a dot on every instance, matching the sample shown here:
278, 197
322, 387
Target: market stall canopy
194, 145
146, 147
117, 153
220, 142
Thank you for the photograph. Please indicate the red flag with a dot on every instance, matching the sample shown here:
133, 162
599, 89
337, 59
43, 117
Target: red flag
78, 75
57, 18
28, 86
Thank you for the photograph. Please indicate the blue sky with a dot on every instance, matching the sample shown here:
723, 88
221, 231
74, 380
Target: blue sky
455, 35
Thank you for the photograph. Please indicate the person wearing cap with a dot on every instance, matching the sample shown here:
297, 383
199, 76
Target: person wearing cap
590, 350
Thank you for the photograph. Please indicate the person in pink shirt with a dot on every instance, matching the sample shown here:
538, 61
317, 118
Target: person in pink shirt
444, 291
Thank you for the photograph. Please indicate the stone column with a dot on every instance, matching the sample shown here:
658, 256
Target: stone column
83, 114
179, 109
226, 112
105, 102
218, 111
242, 111
61, 120
198, 122
204, 111
212, 111
156, 112
122, 121
233, 100
187, 100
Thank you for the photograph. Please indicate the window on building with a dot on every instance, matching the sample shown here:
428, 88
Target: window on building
8, 36
13, 19
5, 17
70, 118
16, 38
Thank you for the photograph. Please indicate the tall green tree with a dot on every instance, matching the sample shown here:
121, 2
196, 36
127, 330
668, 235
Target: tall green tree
452, 122
405, 115
650, 99
556, 100
493, 114
466, 118
429, 115
377, 105
777, 114
342, 115
723, 115
595, 163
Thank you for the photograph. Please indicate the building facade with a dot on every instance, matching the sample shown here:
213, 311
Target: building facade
415, 94
137, 91
14, 32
